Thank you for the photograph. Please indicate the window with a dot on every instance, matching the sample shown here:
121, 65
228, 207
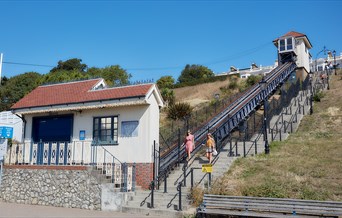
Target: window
106, 129
286, 44
289, 43
282, 45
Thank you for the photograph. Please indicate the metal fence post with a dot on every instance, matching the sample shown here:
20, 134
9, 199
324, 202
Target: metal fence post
179, 196
230, 148
192, 177
152, 194
134, 177
179, 141
165, 182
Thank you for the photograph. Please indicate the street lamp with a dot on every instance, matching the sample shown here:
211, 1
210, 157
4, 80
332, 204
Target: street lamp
327, 72
334, 53
263, 86
311, 91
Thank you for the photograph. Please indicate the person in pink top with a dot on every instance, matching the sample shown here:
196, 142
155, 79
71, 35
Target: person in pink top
189, 143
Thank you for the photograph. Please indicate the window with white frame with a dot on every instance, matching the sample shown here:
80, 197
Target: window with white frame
105, 129
286, 44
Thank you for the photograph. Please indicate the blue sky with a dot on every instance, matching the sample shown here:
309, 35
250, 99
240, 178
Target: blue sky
151, 39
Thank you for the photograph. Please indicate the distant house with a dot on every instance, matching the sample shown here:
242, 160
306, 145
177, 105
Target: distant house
123, 121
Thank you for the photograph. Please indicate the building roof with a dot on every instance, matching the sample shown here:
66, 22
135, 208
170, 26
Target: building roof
78, 92
295, 35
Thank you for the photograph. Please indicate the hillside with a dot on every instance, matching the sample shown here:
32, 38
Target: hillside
195, 95
308, 165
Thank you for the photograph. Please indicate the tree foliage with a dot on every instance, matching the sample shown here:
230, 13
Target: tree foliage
194, 72
73, 64
165, 82
168, 96
253, 79
17, 87
14, 88
113, 75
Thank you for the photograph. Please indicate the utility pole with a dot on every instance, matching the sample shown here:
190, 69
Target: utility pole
0, 66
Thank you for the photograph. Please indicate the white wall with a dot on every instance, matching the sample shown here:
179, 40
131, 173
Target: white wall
129, 149
303, 57
11, 120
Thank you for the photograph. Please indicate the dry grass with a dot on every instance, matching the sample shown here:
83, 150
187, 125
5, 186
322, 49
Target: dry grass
199, 94
306, 166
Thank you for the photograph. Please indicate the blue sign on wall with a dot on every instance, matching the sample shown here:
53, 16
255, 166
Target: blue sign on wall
82, 134
6, 132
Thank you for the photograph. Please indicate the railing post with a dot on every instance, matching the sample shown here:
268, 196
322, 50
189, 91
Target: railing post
184, 175
165, 182
133, 177
209, 182
152, 194
192, 177
113, 170
154, 160
180, 196
236, 149
244, 148
125, 177
230, 147
256, 147
179, 144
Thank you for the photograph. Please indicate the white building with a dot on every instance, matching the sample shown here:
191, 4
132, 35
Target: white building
294, 46
122, 120
10, 120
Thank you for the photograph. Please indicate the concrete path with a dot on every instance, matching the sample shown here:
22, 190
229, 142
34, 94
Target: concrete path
35, 211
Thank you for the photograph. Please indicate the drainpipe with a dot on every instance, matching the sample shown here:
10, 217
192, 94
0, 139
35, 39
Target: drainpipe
22, 117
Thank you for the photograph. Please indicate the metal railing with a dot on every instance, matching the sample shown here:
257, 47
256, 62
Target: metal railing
75, 153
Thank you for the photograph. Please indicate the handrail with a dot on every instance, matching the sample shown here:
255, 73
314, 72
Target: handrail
96, 144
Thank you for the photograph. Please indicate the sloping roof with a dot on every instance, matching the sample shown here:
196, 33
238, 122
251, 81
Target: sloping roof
295, 35
78, 92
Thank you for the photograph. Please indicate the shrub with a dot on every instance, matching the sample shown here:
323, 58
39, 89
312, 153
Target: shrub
179, 111
318, 96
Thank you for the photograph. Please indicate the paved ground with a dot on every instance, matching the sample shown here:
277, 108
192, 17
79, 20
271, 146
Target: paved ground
35, 211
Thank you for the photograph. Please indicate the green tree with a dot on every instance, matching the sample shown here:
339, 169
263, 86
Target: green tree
168, 95
194, 72
63, 76
17, 87
165, 82
251, 80
113, 75
73, 64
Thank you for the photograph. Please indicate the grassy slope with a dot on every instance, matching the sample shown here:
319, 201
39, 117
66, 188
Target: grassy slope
306, 166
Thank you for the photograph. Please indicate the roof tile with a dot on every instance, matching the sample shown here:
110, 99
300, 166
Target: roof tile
77, 92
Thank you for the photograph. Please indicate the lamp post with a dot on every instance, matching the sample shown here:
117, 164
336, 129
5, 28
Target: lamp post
334, 53
263, 86
311, 91
323, 50
327, 72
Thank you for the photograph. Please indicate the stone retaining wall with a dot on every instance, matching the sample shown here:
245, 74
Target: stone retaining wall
59, 188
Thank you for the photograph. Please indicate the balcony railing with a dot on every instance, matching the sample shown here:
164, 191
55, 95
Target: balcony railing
76, 153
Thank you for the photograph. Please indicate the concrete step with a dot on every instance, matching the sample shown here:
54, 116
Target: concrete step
171, 212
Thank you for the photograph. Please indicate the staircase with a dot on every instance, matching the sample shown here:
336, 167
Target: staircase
167, 204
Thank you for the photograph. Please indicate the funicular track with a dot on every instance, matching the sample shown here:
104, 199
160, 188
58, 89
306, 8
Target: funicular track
229, 118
